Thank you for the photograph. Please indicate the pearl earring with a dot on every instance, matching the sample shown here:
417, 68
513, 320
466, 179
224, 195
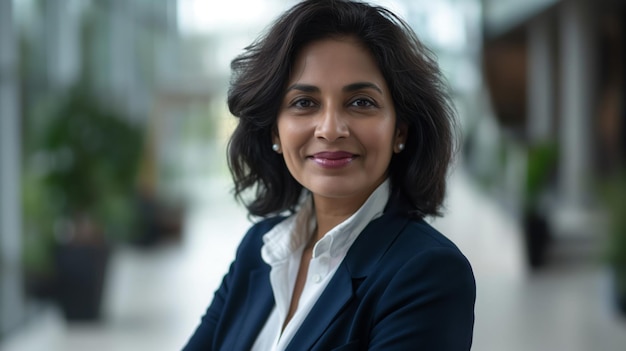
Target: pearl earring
401, 146
275, 147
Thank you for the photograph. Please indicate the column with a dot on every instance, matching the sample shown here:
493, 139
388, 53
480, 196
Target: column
121, 35
11, 295
62, 33
577, 95
540, 101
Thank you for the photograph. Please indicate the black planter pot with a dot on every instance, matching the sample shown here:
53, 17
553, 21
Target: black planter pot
81, 274
536, 238
620, 299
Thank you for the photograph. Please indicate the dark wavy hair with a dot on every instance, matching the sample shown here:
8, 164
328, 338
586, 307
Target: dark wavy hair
259, 77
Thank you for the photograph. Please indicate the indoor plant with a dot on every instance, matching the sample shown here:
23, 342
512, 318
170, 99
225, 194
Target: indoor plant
540, 168
90, 154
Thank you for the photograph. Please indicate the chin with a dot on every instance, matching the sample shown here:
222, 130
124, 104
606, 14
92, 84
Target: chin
340, 189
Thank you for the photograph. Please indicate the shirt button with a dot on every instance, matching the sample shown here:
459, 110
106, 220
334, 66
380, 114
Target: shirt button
317, 278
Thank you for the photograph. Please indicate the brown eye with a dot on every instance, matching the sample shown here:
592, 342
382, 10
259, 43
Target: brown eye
303, 103
362, 103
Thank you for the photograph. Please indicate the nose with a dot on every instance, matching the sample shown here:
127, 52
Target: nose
332, 125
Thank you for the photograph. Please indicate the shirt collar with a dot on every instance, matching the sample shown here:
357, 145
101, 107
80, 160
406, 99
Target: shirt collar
339, 239
294, 232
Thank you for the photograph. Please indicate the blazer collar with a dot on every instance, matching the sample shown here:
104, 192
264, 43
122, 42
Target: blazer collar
373, 242
361, 259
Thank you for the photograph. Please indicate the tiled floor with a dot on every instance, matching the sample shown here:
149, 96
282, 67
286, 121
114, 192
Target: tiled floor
156, 297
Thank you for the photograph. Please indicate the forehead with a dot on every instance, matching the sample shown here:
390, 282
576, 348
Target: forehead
335, 60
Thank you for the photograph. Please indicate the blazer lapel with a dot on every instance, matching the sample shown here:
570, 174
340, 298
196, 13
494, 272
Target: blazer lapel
362, 257
333, 298
373, 242
259, 304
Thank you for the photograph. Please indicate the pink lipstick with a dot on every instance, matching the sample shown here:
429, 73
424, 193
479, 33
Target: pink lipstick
333, 159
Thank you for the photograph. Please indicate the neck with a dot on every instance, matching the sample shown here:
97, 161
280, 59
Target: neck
329, 212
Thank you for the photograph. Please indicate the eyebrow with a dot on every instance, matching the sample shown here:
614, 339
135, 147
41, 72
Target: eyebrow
360, 86
348, 88
305, 88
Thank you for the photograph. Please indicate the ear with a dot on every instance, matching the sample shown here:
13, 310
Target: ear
400, 137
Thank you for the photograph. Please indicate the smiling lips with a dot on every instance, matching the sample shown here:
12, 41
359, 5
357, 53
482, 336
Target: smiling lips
333, 159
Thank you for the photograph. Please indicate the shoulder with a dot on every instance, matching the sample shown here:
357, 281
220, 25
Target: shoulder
424, 266
424, 287
253, 239
264, 225
418, 237
421, 250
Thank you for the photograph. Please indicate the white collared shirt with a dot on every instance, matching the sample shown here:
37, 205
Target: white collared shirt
282, 250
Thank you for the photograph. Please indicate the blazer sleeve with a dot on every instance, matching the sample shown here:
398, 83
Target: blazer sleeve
204, 335
428, 305
202, 338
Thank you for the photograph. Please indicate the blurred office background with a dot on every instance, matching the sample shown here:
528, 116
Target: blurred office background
116, 218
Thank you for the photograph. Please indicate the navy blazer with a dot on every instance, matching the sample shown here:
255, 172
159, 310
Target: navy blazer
401, 286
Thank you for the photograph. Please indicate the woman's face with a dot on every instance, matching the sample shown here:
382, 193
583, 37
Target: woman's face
337, 123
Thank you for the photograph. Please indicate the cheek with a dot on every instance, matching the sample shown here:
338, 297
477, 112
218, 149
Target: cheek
379, 138
286, 129
293, 134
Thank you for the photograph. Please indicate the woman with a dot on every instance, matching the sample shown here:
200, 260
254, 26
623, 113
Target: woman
345, 136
